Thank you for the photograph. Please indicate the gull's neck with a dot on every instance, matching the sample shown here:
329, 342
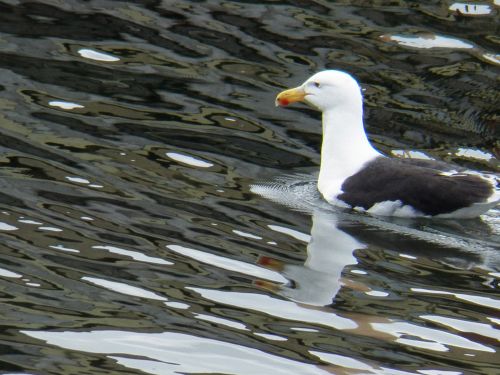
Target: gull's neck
345, 147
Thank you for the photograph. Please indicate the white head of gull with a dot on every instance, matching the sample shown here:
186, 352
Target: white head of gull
355, 175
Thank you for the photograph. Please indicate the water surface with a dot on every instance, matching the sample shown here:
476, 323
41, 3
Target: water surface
137, 236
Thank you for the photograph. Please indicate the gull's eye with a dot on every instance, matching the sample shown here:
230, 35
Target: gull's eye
317, 84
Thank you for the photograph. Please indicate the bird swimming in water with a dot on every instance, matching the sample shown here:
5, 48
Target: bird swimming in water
355, 175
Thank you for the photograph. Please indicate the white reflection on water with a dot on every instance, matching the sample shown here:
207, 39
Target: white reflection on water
478, 300
78, 180
228, 264
290, 232
377, 293
355, 364
177, 305
269, 336
27, 221
276, 307
186, 159
427, 41
5, 226
222, 321
50, 229
65, 105
465, 326
124, 288
475, 154
176, 353
246, 234
63, 248
97, 55
7, 273
133, 254
340, 360
33, 284
405, 333
431, 339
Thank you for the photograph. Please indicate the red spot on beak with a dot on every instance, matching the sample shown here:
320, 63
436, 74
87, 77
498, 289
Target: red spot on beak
290, 96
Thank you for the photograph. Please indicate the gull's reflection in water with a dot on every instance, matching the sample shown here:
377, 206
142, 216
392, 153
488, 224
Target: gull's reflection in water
387, 294
329, 252
336, 235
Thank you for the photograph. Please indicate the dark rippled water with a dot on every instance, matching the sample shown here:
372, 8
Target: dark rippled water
136, 238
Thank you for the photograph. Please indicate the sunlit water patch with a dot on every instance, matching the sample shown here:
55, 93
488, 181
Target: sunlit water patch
174, 353
429, 41
65, 105
97, 55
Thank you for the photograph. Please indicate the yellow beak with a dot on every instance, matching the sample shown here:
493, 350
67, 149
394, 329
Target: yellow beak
290, 96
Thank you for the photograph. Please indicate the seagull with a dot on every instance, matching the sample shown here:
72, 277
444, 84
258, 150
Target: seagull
355, 175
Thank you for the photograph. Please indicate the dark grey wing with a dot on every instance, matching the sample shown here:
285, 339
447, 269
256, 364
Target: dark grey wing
421, 185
